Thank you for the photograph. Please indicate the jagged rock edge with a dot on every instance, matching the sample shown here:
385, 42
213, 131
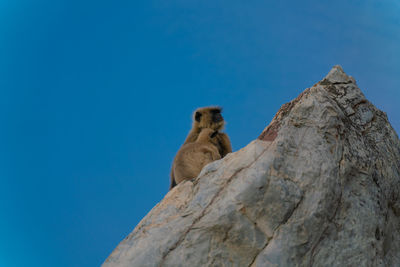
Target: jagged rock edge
271, 132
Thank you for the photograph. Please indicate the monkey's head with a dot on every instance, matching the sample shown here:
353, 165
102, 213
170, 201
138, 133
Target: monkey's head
208, 117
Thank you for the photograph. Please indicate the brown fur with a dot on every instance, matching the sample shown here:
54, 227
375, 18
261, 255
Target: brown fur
207, 117
192, 157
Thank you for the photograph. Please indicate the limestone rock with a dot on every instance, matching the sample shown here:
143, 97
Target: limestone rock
319, 187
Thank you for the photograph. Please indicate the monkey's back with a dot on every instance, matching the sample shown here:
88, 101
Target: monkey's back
191, 159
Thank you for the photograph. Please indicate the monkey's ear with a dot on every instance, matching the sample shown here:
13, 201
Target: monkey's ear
197, 116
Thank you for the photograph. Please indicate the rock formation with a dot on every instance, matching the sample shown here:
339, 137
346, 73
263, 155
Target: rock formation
319, 187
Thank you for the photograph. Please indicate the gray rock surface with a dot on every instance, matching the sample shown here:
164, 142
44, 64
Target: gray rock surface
319, 187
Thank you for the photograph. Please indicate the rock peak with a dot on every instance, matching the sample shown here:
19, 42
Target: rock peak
319, 187
337, 75
336, 86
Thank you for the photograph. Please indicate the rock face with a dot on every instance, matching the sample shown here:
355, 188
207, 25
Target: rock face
319, 187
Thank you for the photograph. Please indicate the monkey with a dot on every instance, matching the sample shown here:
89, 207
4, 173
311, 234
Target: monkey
207, 117
192, 157
210, 117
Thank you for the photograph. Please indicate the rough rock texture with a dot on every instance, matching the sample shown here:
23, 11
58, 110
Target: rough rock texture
319, 187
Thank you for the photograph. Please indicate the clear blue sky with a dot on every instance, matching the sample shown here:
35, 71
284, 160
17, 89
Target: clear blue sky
96, 97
